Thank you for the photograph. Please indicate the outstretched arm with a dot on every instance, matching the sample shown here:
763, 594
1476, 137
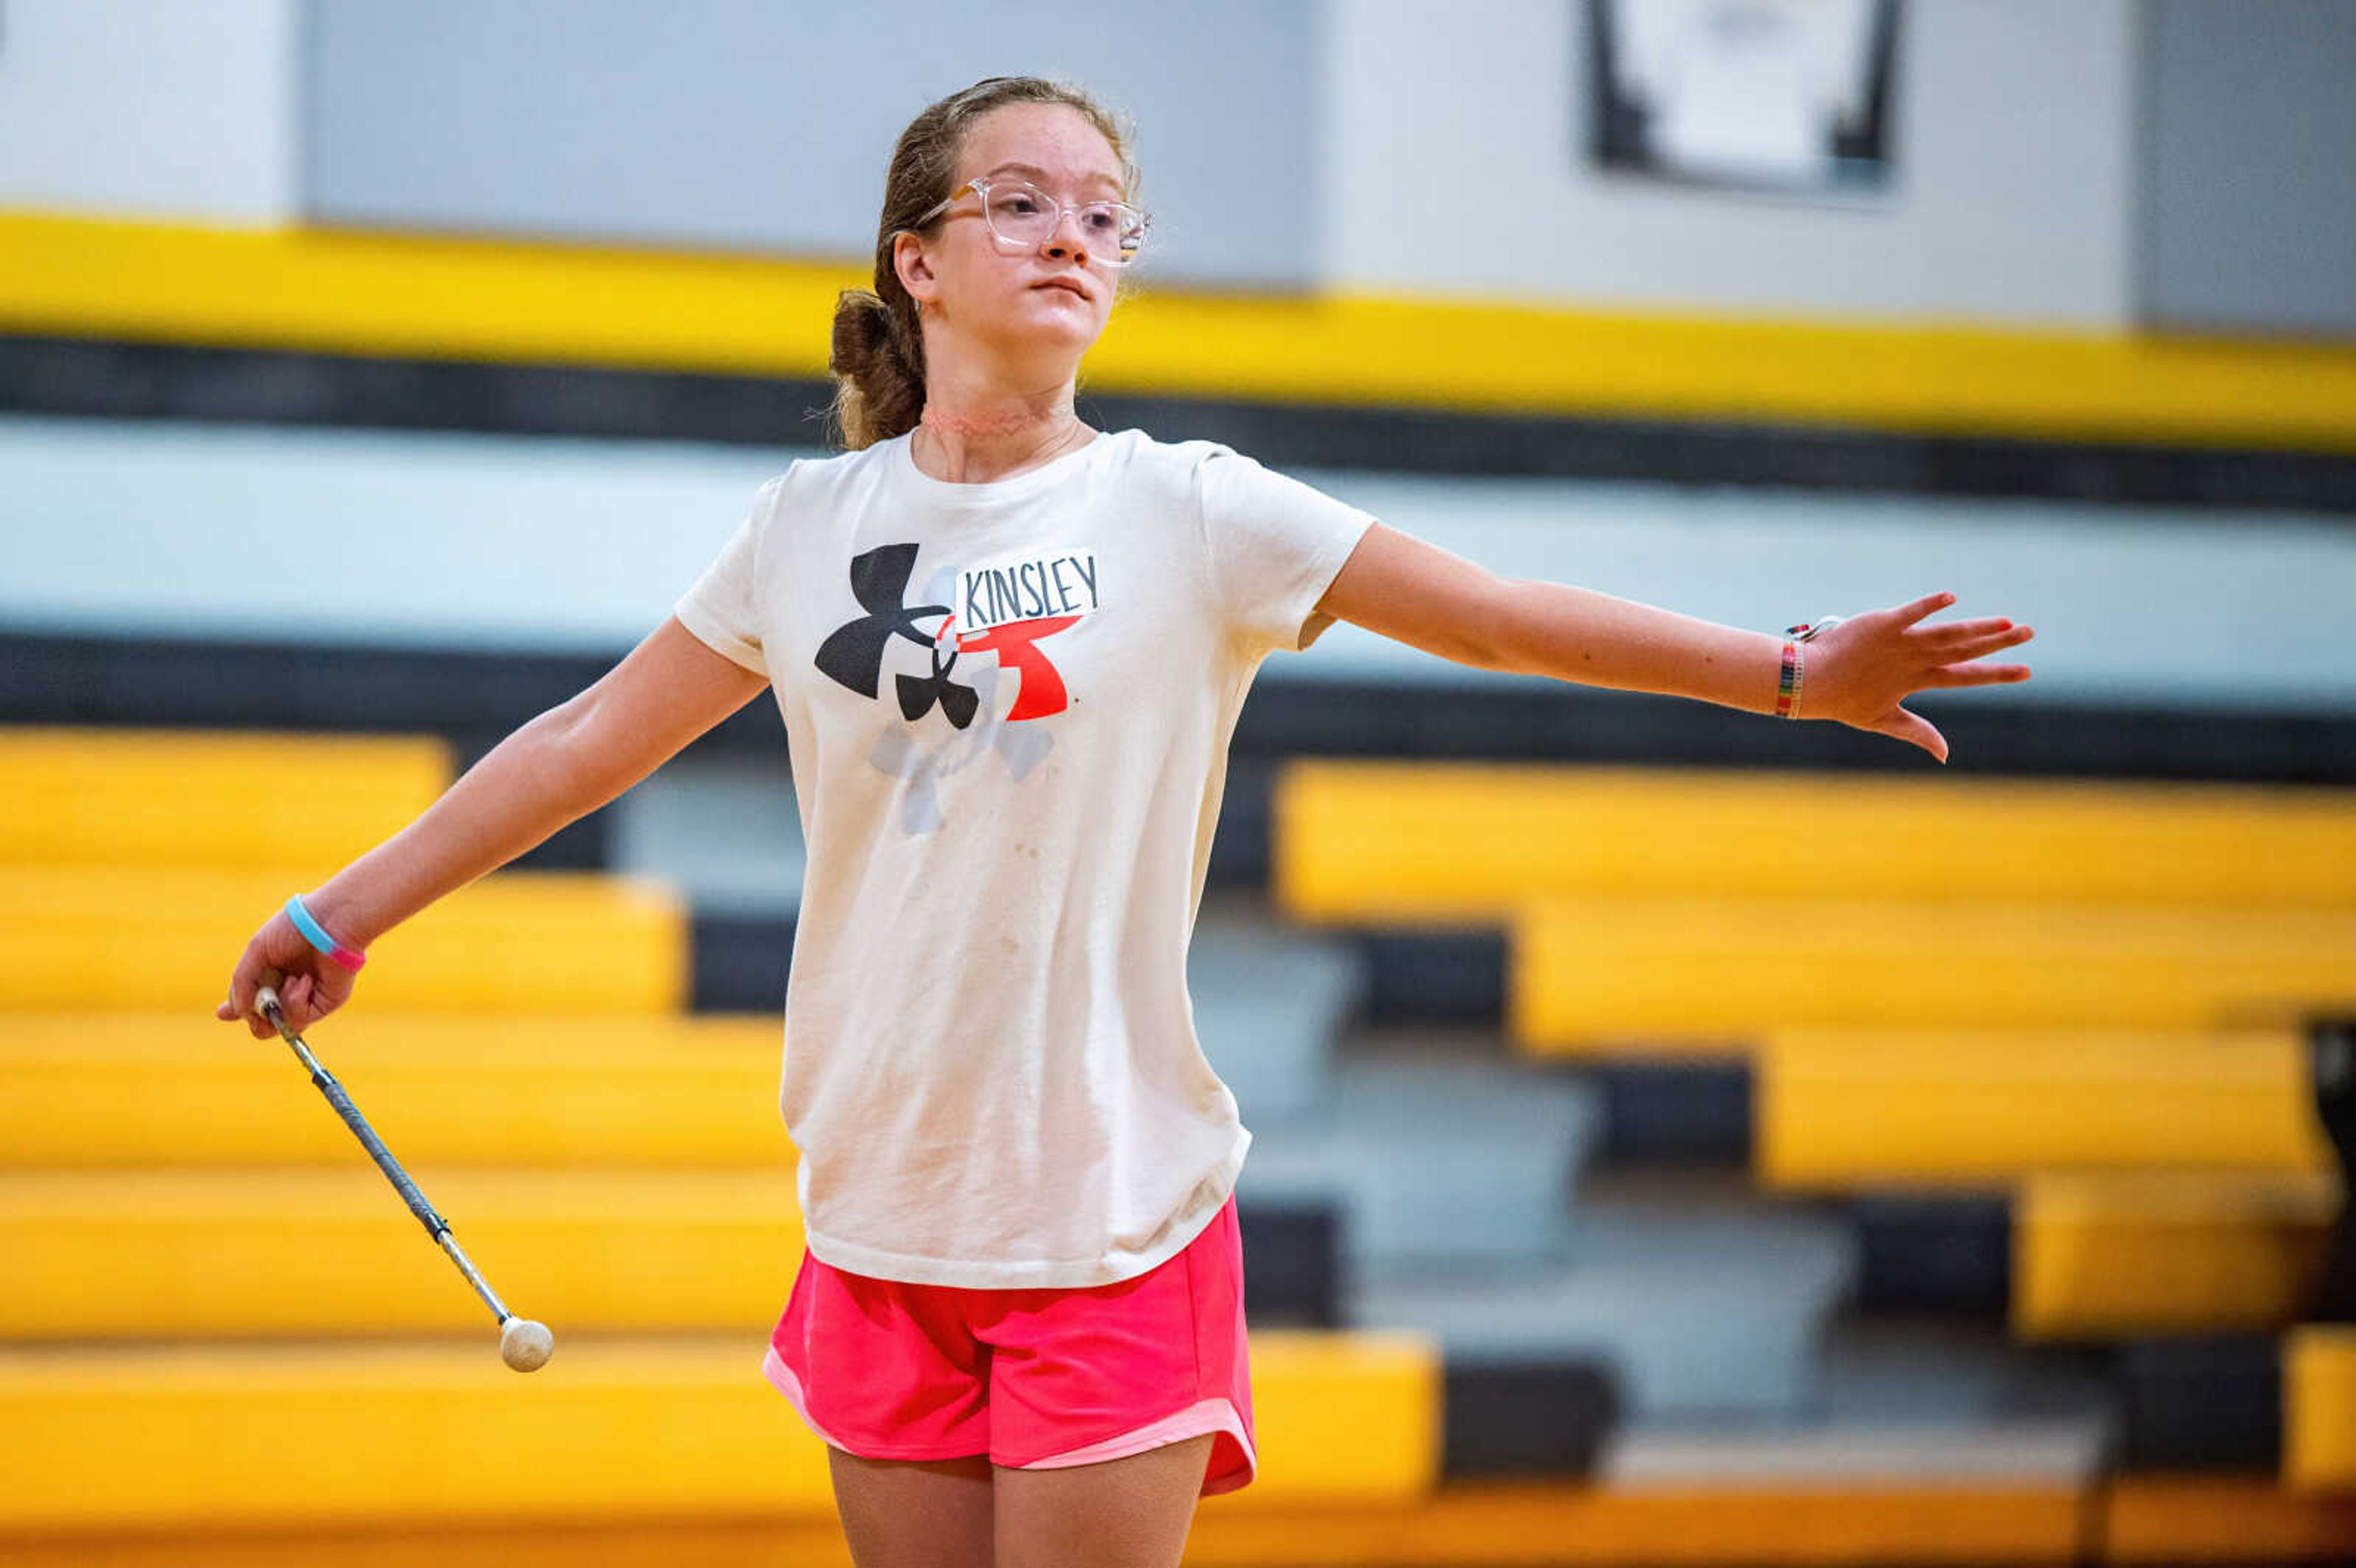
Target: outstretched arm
1857, 673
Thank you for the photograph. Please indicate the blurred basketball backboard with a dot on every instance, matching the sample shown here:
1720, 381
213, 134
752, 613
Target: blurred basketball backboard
1774, 95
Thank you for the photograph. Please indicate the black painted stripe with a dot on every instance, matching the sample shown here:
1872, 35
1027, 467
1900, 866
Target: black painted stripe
145, 380
478, 697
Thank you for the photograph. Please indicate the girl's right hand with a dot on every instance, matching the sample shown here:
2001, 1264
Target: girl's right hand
309, 983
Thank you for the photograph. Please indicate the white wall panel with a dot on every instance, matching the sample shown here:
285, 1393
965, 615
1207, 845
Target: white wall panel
466, 542
175, 108
1456, 146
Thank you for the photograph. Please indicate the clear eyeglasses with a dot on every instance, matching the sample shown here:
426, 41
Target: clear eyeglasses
1022, 217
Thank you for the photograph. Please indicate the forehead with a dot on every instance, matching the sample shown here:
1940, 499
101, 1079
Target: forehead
1049, 143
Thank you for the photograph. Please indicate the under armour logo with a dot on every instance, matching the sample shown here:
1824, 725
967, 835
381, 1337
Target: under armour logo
853, 654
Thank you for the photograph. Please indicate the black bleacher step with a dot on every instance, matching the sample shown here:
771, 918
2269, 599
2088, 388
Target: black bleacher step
739, 962
1525, 1418
1402, 1043
1434, 977
2210, 1404
2331, 1055
1948, 1254
1292, 1268
1928, 1370
1239, 851
1674, 1113
1696, 1114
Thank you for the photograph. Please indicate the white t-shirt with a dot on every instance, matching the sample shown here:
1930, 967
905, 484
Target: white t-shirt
1007, 707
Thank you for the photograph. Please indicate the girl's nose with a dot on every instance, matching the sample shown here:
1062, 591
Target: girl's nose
1079, 244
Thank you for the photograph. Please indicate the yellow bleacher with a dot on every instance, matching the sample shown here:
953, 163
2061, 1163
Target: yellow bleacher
1382, 842
171, 1254
102, 1090
2166, 1519
392, 1432
2092, 995
1681, 911
1684, 976
299, 805
1841, 1109
2163, 1183
512, 944
2320, 1411
222, 1319
2177, 1518
1696, 1525
2124, 1255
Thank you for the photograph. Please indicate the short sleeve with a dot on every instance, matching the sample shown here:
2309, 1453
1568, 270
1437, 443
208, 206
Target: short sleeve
1275, 546
722, 607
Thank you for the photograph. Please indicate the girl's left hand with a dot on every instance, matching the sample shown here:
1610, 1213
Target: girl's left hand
1860, 671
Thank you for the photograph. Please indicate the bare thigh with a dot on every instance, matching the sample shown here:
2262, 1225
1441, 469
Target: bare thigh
913, 1513
1122, 1513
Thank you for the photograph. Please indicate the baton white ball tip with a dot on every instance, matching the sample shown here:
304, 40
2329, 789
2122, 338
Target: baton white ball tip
525, 1345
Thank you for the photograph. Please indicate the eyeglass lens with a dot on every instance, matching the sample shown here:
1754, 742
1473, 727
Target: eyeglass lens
1021, 215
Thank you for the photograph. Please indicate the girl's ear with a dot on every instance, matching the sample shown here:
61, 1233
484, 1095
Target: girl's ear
915, 268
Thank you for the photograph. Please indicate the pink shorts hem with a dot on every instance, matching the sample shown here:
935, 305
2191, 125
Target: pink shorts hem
1209, 1415
774, 1367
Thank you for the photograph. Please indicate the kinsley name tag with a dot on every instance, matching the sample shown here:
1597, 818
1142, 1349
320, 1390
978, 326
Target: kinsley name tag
1029, 588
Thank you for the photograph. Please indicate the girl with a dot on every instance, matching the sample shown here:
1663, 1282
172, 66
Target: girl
1010, 651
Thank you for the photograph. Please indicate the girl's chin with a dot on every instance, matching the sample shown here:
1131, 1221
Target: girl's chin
1057, 326
1060, 304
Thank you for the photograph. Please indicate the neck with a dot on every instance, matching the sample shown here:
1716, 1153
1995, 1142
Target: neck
973, 439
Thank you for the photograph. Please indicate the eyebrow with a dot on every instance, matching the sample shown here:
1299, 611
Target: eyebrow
1040, 174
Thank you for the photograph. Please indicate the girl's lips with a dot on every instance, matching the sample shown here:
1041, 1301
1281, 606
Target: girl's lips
1061, 284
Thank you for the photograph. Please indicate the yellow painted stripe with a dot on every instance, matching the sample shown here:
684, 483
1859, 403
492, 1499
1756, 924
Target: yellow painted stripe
357, 293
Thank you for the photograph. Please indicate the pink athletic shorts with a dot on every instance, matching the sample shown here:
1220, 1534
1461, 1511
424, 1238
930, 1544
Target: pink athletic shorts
1036, 1378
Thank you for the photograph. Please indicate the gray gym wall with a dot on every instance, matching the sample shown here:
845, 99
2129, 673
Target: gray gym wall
2248, 219
746, 124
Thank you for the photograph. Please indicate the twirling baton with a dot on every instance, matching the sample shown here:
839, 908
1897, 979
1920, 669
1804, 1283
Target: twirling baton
524, 1344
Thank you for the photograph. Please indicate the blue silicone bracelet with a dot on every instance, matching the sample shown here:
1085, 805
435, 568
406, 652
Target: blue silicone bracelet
316, 935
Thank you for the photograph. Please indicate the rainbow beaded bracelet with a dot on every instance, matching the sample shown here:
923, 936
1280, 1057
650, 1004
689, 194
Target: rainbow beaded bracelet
1787, 689
316, 935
